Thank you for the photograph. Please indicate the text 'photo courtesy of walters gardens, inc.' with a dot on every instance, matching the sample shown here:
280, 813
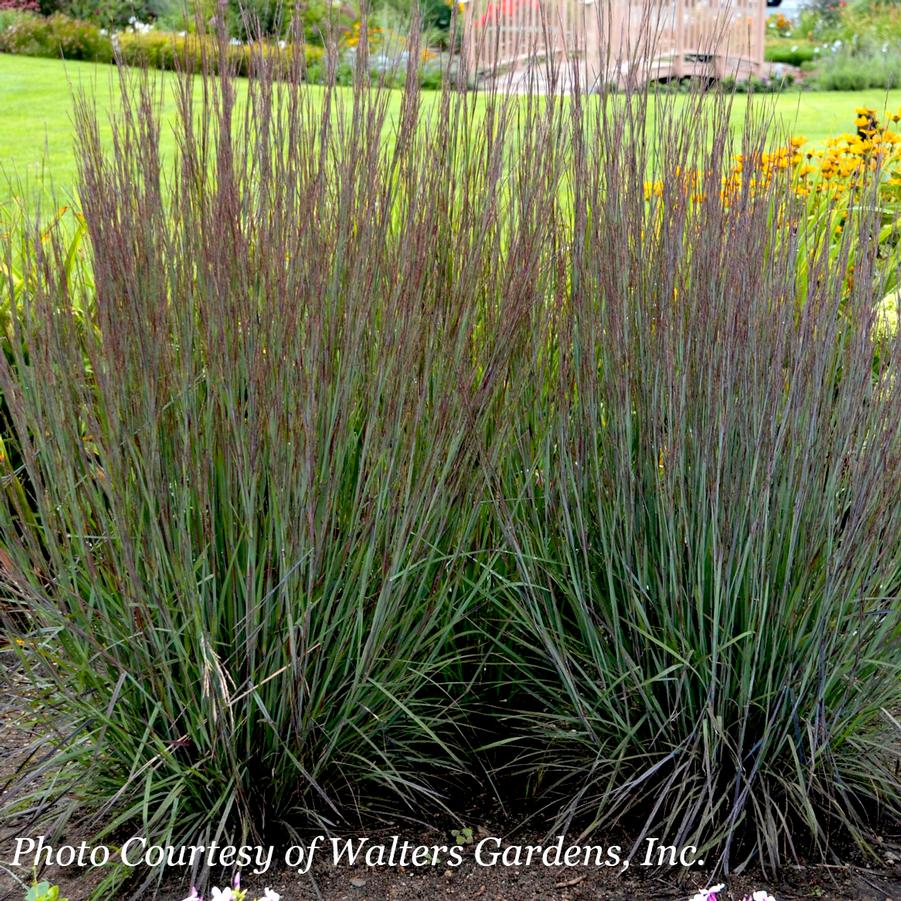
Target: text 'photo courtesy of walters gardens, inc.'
359, 857
258, 860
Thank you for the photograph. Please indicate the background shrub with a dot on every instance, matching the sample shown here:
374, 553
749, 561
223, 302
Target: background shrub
162, 50
858, 70
19, 6
56, 36
256, 18
108, 14
861, 21
790, 51
321, 18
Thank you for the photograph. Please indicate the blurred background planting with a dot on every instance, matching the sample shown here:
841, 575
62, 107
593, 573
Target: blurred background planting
821, 45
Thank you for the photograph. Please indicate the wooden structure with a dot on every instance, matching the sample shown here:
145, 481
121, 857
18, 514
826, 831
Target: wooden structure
619, 41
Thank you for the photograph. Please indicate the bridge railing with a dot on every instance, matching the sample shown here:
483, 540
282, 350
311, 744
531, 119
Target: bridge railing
615, 38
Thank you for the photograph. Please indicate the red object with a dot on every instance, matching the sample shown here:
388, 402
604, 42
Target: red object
505, 9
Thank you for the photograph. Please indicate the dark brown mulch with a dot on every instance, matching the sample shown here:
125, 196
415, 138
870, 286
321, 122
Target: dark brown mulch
533, 884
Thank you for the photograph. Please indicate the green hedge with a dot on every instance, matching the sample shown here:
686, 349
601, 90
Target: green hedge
860, 72
55, 36
58, 36
61, 37
162, 50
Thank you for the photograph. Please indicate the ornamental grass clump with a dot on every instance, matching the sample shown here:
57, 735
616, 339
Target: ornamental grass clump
704, 510
244, 539
377, 446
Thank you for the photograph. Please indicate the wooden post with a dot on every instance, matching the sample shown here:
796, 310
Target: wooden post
679, 49
761, 35
468, 25
591, 38
720, 25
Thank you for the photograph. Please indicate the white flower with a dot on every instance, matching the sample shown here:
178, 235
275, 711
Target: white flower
222, 894
194, 896
708, 894
235, 42
762, 896
136, 25
282, 45
104, 32
270, 895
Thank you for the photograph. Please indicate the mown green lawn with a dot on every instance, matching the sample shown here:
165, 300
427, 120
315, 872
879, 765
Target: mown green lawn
36, 133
